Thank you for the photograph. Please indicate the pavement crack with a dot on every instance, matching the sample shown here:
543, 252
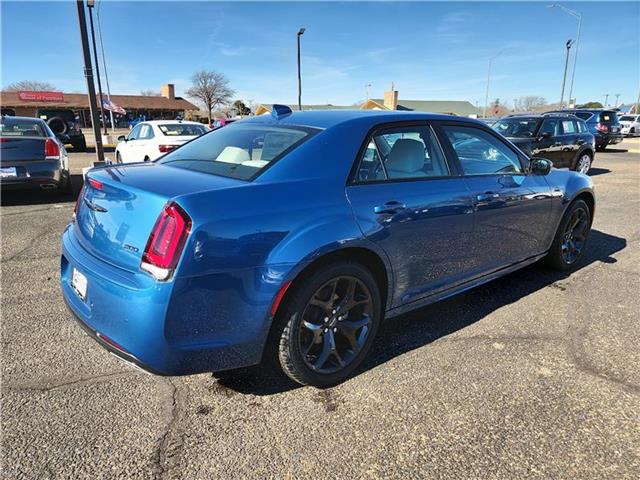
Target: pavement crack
172, 440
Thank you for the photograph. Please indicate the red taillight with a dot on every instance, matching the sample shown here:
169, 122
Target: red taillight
602, 128
95, 184
166, 242
51, 148
166, 148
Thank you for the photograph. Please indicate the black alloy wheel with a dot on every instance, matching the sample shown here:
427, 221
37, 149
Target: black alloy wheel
571, 237
331, 320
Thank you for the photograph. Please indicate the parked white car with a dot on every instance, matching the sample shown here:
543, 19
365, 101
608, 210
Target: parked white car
630, 124
150, 140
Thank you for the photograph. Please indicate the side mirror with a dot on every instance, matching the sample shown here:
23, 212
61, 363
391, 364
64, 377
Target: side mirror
122, 138
540, 166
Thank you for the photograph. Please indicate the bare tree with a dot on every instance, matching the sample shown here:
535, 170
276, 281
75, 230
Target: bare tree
211, 89
149, 93
30, 86
530, 103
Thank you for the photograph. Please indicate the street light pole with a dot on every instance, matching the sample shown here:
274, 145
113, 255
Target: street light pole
486, 97
564, 76
577, 15
88, 73
606, 99
300, 33
617, 97
95, 58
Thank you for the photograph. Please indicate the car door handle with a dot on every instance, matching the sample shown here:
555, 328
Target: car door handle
391, 206
487, 196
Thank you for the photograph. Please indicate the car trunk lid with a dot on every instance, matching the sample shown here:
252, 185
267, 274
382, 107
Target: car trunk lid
15, 150
119, 206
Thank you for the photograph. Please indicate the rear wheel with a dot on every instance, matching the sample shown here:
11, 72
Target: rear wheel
571, 237
328, 324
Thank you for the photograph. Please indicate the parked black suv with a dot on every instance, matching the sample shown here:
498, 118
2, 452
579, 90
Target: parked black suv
564, 139
604, 125
65, 124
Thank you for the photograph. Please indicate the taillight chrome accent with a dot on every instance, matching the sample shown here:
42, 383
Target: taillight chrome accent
51, 149
166, 241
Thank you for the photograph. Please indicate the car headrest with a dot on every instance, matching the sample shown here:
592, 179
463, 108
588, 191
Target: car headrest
233, 155
406, 156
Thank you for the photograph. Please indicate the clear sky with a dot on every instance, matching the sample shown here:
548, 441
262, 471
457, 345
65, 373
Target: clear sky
430, 50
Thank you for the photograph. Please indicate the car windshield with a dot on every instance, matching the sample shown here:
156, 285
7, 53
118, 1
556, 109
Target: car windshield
516, 127
237, 151
627, 118
19, 127
182, 129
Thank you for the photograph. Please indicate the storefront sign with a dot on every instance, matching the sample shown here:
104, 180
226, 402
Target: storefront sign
41, 96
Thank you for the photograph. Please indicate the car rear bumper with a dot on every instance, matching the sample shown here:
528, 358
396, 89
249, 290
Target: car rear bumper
185, 326
34, 175
608, 138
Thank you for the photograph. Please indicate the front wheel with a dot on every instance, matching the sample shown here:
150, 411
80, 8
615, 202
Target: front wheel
328, 324
571, 237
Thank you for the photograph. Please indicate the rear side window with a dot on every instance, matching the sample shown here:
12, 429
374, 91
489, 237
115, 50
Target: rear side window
582, 127
480, 153
402, 153
569, 127
239, 151
584, 115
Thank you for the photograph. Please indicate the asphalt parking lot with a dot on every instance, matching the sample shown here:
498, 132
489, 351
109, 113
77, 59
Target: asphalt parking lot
535, 375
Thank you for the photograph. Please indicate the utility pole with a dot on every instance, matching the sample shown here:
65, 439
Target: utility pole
577, 15
106, 73
300, 33
88, 73
367, 87
606, 99
95, 58
486, 97
564, 76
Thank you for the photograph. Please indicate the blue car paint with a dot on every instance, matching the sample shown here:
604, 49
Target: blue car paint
248, 239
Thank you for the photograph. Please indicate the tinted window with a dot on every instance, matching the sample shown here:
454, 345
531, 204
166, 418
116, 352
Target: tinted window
481, 153
370, 166
628, 118
608, 117
237, 151
550, 126
568, 127
584, 115
17, 127
516, 127
582, 127
182, 129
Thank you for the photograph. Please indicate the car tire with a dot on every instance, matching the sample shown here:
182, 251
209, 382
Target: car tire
80, 146
600, 148
66, 188
571, 237
583, 162
324, 348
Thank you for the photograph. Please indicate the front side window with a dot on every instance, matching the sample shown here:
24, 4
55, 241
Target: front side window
480, 153
241, 150
403, 152
133, 134
551, 126
146, 132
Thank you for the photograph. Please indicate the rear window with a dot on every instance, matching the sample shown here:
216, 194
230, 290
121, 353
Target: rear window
182, 129
608, 117
238, 151
14, 127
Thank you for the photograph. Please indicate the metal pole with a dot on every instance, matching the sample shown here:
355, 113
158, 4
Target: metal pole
486, 96
606, 99
88, 73
95, 58
575, 58
300, 33
106, 73
617, 97
564, 76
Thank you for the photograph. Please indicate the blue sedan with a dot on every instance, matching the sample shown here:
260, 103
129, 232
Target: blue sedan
293, 236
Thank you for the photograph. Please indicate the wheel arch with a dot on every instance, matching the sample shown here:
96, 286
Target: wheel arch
588, 197
582, 151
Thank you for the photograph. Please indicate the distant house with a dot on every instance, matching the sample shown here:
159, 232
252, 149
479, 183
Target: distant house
390, 101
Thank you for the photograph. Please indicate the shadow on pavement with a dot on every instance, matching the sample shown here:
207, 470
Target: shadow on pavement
616, 150
36, 196
425, 325
598, 171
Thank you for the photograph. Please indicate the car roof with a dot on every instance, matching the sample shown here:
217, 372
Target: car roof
35, 119
323, 119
